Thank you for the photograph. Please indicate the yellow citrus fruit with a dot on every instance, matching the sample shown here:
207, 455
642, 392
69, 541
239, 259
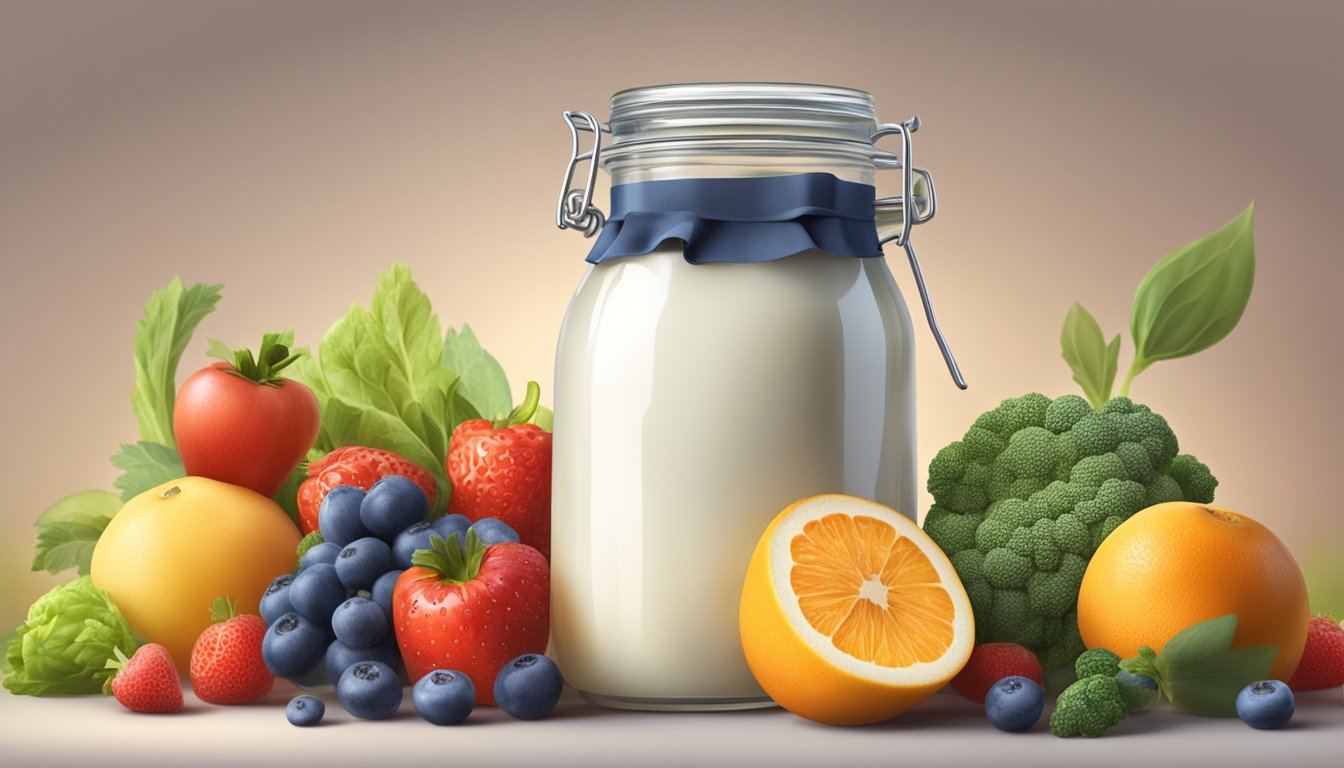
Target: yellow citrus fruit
169, 552
1177, 564
850, 613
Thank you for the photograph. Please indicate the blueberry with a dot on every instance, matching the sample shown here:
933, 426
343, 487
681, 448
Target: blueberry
444, 697
362, 562
494, 531
369, 690
1265, 704
392, 505
382, 591
1014, 703
409, 540
304, 711
293, 645
275, 600
316, 591
338, 515
325, 552
448, 525
528, 687
341, 656
359, 623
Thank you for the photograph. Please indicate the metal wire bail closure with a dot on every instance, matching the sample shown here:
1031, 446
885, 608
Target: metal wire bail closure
575, 209
912, 214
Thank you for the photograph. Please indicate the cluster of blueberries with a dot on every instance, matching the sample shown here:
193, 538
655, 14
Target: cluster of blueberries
331, 620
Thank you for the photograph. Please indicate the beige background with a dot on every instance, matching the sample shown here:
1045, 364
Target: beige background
291, 150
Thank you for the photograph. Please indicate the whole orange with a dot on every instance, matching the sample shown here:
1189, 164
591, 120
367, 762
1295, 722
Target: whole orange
172, 550
1177, 564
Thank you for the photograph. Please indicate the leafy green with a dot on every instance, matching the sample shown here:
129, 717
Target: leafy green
1200, 670
68, 530
145, 465
1194, 296
483, 383
264, 368
64, 645
161, 336
308, 542
1085, 350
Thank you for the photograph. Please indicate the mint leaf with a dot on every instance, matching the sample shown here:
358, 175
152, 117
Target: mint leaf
161, 336
1199, 669
68, 530
145, 465
1092, 360
483, 382
1194, 296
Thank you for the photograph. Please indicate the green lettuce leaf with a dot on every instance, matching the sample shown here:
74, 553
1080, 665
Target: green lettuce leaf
161, 336
483, 382
145, 465
63, 646
68, 530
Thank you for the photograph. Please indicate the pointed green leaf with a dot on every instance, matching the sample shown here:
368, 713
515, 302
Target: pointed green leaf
145, 465
484, 383
1092, 360
1194, 297
161, 336
68, 530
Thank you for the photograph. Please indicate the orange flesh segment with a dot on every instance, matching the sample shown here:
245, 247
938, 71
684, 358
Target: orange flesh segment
836, 556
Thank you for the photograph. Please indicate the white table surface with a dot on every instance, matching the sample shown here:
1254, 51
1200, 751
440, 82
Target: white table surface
944, 731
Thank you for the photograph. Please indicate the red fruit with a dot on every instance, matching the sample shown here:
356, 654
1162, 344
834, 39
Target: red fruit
226, 662
359, 466
990, 663
1322, 664
503, 470
472, 612
240, 423
148, 681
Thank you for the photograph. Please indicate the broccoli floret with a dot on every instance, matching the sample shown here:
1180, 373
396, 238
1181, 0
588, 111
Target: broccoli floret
1024, 499
1096, 661
1089, 707
1137, 691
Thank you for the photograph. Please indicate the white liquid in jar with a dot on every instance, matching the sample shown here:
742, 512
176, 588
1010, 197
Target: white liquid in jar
694, 403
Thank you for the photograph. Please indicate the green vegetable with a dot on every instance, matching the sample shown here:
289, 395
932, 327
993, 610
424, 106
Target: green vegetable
1199, 669
382, 379
68, 529
1188, 301
1089, 707
1022, 501
1096, 661
161, 336
64, 645
145, 465
1137, 691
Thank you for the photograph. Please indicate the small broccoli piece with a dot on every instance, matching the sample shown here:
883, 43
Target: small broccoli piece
1137, 691
1024, 499
1096, 661
1089, 707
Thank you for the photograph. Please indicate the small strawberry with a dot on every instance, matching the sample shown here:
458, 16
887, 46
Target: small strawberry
146, 682
226, 663
990, 663
359, 466
1322, 664
503, 470
473, 611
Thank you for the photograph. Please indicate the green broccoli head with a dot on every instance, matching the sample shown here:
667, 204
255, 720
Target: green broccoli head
1089, 707
1096, 661
1022, 501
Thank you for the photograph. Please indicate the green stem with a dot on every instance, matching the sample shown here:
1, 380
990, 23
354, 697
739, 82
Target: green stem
525, 410
448, 560
273, 357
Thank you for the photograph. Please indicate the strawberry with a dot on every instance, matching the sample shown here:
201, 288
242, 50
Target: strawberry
226, 663
990, 663
473, 611
1322, 664
146, 682
359, 466
502, 469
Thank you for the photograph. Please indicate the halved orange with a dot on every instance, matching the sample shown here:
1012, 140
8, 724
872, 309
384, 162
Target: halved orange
850, 613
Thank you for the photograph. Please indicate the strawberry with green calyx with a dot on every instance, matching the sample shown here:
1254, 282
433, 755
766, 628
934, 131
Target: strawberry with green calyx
359, 466
471, 609
502, 469
239, 422
226, 662
147, 681
1322, 664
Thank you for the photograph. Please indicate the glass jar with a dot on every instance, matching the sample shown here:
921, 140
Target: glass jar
737, 344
